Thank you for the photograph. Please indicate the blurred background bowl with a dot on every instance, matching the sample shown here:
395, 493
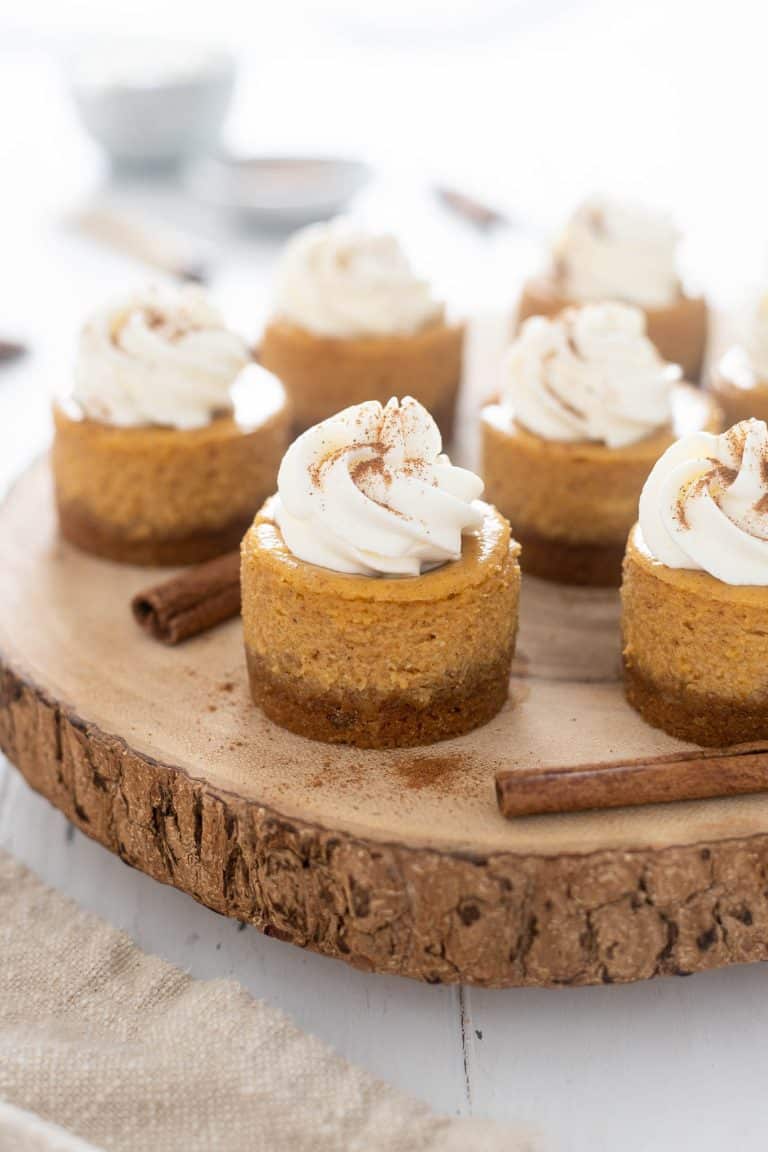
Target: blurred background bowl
153, 104
284, 191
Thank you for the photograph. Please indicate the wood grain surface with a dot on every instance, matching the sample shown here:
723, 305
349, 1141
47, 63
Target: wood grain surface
399, 861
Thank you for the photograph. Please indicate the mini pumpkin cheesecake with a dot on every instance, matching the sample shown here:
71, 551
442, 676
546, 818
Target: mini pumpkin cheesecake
352, 322
380, 595
611, 251
740, 379
169, 438
695, 590
587, 409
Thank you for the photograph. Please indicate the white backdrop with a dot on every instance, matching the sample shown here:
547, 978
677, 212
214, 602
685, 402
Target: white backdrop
530, 104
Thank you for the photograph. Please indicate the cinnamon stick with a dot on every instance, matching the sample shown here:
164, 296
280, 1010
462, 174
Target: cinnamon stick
160, 246
473, 210
192, 602
696, 775
11, 350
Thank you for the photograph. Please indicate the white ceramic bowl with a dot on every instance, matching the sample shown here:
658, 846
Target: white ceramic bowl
151, 104
280, 190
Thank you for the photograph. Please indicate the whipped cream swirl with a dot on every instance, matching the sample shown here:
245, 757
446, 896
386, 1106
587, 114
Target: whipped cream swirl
163, 357
369, 492
705, 504
611, 251
337, 280
589, 374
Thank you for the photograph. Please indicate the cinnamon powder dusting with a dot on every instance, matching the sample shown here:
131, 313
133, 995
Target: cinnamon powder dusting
436, 772
679, 510
696, 488
719, 477
371, 469
737, 438
316, 468
154, 318
338, 775
172, 328
723, 473
368, 469
440, 774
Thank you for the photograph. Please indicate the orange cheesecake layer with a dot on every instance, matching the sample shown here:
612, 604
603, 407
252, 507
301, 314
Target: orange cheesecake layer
571, 505
158, 495
322, 374
380, 662
694, 651
678, 330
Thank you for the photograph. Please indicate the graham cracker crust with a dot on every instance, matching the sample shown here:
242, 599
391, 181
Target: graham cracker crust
107, 542
380, 721
709, 720
565, 562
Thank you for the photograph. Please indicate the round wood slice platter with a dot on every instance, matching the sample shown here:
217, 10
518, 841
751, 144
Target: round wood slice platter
396, 862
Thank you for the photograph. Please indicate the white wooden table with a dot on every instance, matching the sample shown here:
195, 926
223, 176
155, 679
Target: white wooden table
660, 1066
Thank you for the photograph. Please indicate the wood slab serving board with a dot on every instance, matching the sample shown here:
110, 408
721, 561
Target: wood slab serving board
398, 862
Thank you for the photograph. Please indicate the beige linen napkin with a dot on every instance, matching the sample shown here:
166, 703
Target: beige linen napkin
128, 1053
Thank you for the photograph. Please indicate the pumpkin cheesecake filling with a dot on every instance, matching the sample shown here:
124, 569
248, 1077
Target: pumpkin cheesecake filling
379, 593
323, 374
695, 590
159, 495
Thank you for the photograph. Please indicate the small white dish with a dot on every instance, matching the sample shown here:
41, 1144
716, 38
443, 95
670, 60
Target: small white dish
284, 191
151, 103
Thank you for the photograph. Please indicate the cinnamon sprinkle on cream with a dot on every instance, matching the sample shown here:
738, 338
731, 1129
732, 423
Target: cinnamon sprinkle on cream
372, 468
737, 438
724, 474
